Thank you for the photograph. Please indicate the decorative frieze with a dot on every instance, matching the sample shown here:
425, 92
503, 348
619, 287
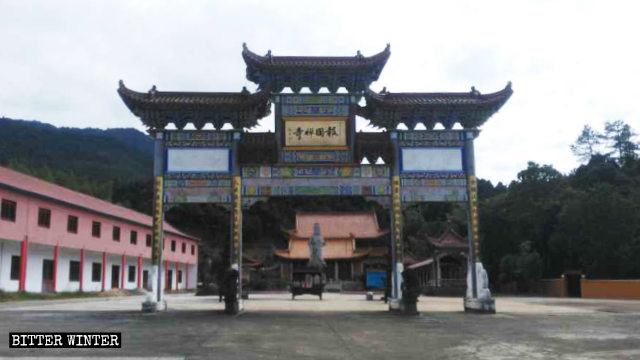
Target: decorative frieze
312, 156
193, 138
198, 195
431, 138
363, 171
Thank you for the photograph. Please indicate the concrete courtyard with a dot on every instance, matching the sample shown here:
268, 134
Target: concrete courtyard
338, 327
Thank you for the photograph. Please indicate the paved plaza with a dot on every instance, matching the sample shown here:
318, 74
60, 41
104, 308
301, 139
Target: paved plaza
338, 327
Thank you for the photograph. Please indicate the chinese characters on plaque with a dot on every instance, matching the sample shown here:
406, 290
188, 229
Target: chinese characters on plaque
315, 132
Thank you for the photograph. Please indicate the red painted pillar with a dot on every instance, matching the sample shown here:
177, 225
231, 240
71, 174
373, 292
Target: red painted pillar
104, 269
81, 269
139, 270
56, 254
24, 252
175, 271
186, 271
166, 274
124, 265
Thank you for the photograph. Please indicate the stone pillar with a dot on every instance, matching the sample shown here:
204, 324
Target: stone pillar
396, 228
478, 297
155, 300
235, 305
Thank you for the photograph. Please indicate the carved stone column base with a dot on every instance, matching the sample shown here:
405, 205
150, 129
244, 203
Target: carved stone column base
153, 306
484, 306
404, 307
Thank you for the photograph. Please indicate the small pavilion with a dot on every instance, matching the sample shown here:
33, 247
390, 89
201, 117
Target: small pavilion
354, 245
446, 270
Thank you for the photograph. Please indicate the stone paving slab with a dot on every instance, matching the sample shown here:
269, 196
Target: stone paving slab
338, 327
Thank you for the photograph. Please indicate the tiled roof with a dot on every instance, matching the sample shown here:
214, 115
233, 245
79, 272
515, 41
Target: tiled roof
450, 240
314, 62
333, 249
338, 225
422, 263
14, 180
471, 109
158, 108
472, 98
191, 99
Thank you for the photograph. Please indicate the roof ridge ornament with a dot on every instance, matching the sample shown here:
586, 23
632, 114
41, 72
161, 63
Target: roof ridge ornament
153, 91
474, 91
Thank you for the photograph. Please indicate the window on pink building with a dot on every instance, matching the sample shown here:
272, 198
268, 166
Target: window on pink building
133, 239
148, 240
95, 229
8, 211
72, 224
173, 245
116, 233
96, 272
74, 270
184, 248
15, 267
44, 218
193, 249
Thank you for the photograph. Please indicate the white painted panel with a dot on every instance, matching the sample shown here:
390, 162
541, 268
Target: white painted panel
8, 248
198, 160
432, 159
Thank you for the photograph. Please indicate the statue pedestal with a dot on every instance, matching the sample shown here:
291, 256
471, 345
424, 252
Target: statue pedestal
233, 307
403, 306
483, 306
153, 306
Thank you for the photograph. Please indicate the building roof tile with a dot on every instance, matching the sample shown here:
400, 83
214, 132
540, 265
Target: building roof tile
338, 225
28, 184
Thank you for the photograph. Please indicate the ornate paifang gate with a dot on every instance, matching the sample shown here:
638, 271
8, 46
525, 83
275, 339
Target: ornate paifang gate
315, 150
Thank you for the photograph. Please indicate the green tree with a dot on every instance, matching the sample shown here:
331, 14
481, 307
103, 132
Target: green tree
586, 145
620, 139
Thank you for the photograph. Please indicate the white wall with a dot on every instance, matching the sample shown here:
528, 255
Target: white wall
88, 285
37, 253
8, 248
65, 256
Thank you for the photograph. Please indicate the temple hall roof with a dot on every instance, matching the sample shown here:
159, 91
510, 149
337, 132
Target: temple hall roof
338, 225
355, 73
470, 109
333, 249
157, 109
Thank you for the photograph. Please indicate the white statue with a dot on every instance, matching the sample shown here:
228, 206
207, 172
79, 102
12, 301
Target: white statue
482, 281
316, 243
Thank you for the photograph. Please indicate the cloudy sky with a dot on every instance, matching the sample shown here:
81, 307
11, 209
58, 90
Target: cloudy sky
571, 62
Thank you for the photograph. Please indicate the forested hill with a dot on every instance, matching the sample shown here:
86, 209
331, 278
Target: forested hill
98, 162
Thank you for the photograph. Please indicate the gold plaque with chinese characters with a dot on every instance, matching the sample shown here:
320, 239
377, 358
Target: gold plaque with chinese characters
317, 131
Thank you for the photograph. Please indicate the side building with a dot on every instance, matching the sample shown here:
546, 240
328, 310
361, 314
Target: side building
53, 239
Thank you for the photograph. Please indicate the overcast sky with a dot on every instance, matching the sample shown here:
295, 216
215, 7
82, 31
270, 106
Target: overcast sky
571, 62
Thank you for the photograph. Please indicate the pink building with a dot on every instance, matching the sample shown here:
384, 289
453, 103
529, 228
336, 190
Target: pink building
56, 239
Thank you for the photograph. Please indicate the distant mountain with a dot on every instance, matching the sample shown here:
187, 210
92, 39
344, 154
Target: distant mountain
119, 155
